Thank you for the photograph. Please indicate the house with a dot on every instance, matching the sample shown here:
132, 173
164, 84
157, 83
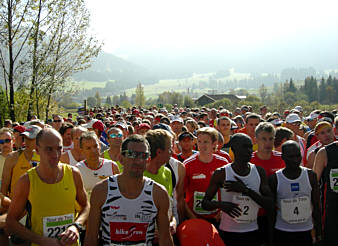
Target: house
207, 98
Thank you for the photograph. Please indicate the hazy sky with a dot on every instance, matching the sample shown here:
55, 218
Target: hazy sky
178, 24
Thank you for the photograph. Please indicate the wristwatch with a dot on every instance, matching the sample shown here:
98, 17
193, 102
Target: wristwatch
78, 226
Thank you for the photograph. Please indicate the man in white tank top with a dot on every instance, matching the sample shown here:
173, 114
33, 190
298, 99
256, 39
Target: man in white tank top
244, 188
126, 206
296, 194
74, 155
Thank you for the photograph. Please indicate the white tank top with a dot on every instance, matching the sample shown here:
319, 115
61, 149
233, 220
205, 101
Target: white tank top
174, 165
248, 219
128, 221
72, 160
294, 209
91, 177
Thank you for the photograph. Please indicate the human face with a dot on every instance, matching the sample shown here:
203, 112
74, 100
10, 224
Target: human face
251, 125
57, 122
186, 144
91, 149
265, 141
142, 131
191, 127
115, 137
206, 119
134, 167
67, 137
224, 127
176, 127
205, 144
76, 138
326, 135
7, 143
293, 126
292, 156
30, 143
50, 149
243, 150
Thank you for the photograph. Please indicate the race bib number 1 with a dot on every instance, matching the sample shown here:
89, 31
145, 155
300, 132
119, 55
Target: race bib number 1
334, 179
54, 225
249, 209
198, 197
296, 210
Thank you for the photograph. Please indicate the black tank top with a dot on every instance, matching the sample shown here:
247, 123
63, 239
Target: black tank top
332, 163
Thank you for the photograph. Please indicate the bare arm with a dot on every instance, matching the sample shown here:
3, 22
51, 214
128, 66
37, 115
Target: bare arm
180, 191
311, 160
320, 163
115, 168
97, 199
9, 164
315, 199
161, 199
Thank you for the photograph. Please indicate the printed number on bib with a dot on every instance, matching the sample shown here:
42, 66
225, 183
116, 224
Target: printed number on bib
249, 209
334, 179
296, 210
198, 197
54, 225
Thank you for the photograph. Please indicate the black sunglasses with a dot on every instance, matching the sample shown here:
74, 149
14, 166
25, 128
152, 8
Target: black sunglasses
135, 154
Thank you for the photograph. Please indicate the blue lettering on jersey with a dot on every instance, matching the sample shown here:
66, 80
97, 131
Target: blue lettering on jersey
295, 187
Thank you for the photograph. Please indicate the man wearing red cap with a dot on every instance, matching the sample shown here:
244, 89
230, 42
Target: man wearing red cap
98, 127
18, 140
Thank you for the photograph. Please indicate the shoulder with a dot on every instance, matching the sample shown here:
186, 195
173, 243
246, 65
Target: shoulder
312, 175
14, 156
220, 158
276, 154
160, 193
260, 171
190, 160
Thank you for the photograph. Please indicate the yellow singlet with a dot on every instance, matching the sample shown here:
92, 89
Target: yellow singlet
52, 206
21, 167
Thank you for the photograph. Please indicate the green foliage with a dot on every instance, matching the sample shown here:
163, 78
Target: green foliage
225, 102
98, 99
125, 104
140, 98
108, 101
91, 102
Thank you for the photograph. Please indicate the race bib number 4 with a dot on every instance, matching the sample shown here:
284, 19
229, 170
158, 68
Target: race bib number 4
54, 225
296, 210
249, 209
198, 197
334, 179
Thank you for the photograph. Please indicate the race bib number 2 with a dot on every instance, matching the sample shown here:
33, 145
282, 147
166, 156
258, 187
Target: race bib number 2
249, 209
296, 210
198, 197
334, 179
54, 225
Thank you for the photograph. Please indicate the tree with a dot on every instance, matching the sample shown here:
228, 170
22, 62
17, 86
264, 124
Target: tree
140, 98
91, 101
98, 99
108, 100
263, 91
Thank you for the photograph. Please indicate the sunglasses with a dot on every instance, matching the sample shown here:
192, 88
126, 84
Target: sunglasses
57, 120
135, 154
2, 141
113, 135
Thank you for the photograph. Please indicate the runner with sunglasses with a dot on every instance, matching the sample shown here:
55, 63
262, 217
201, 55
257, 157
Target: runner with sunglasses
125, 206
115, 138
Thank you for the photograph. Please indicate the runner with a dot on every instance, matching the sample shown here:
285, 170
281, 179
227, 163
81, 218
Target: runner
243, 188
293, 122
65, 131
326, 168
93, 169
186, 145
137, 202
51, 190
6, 146
199, 169
224, 127
296, 193
115, 138
282, 135
75, 155
19, 162
57, 122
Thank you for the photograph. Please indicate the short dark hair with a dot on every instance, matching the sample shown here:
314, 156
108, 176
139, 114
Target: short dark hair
135, 138
252, 116
65, 126
281, 133
88, 135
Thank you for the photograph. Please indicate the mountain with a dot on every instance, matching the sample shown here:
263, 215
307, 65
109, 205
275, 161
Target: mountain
107, 67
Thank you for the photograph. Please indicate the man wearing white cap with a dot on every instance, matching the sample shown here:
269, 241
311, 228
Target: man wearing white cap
293, 122
176, 125
98, 127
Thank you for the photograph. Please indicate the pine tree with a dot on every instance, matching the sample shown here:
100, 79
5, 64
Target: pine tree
140, 98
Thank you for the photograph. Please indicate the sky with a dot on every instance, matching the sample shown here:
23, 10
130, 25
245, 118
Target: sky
182, 24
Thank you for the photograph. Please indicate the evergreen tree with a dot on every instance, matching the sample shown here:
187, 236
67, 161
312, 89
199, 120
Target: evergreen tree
108, 100
140, 98
322, 91
98, 99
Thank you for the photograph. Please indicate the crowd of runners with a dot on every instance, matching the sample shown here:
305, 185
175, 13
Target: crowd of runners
187, 176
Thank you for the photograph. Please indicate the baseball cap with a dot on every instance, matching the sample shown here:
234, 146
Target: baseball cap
177, 119
299, 108
144, 125
121, 124
163, 127
292, 118
312, 116
94, 124
20, 129
31, 131
184, 135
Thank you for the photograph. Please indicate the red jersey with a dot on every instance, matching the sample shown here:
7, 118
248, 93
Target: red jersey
224, 155
270, 166
197, 179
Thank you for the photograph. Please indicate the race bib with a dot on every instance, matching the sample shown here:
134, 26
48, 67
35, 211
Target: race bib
334, 179
54, 225
198, 197
296, 210
249, 209
126, 231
